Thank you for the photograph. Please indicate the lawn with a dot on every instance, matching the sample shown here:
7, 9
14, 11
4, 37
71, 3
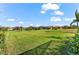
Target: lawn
19, 41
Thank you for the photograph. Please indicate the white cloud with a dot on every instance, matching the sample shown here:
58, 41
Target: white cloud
58, 24
68, 19
21, 22
55, 19
31, 24
43, 12
37, 25
10, 19
49, 6
58, 12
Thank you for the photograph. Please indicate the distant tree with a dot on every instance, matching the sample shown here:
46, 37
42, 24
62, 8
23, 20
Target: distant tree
20, 28
65, 27
41, 27
30, 28
16, 28
74, 26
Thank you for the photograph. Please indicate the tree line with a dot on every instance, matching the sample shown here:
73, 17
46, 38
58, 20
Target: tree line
38, 28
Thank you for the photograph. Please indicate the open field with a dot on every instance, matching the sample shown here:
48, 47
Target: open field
19, 41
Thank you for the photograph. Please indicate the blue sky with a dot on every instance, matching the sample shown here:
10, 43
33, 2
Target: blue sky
37, 14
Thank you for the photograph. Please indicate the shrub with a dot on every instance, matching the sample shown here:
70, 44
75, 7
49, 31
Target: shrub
74, 45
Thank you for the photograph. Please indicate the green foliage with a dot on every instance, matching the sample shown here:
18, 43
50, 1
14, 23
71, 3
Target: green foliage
74, 45
2, 43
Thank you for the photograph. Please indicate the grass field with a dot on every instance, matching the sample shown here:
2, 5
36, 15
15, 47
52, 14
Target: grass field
20, 41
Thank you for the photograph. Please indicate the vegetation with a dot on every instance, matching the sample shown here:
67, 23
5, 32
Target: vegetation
2, 43
77, 18
20, 41
45, 40
74, 44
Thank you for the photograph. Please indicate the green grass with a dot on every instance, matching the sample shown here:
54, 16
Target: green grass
20, 41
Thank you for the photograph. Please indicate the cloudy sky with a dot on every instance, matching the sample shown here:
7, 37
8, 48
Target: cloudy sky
37, 14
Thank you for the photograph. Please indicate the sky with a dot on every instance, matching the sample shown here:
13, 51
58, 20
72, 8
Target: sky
37, 14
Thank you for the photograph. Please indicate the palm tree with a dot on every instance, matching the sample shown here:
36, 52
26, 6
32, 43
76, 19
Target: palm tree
77, 18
